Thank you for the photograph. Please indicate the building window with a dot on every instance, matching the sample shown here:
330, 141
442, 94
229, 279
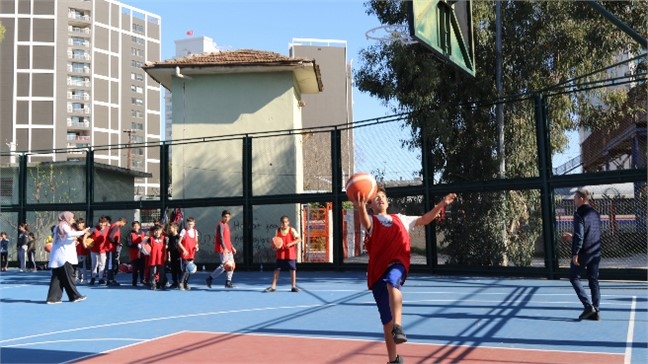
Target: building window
137, 126
137, 76
79, 54
6, 188
136, 64
138, 28
137, 89
137, 101
137, 40
78, 67
137, 52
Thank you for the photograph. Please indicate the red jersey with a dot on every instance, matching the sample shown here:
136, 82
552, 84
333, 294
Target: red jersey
158, 251
386, 245
287, 252
222, 239
80, 248
135, 238
189, 241
100, 241
113, 237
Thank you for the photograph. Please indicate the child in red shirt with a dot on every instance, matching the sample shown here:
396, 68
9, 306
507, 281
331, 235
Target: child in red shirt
188, 247
388, 247
135, 239
98, 250
157, 258
80, 271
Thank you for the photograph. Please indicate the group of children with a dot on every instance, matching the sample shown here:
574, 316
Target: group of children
150, 253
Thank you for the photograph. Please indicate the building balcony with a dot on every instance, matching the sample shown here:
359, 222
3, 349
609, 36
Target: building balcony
78, 70
78, 139
79, 31
78, 83
78, 96
78, 124
78, 43
83, 111
79, 57
77, 18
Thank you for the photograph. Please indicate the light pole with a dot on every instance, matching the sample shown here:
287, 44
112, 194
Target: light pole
128, 152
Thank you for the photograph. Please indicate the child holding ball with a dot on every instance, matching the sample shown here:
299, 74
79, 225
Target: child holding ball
388, 247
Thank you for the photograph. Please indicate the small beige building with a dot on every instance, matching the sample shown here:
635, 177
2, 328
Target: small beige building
217, 99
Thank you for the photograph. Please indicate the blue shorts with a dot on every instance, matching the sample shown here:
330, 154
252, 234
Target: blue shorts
286, 264
395, 276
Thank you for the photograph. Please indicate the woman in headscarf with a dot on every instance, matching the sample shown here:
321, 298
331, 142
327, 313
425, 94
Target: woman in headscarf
62, 259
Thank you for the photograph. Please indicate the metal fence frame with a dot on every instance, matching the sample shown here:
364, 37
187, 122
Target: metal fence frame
546, 182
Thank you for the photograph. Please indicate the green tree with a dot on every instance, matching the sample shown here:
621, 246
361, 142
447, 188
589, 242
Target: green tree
2, 31
544, 43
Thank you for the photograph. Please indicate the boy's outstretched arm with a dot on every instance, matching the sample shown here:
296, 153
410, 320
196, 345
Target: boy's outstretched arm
360, 205
429, 216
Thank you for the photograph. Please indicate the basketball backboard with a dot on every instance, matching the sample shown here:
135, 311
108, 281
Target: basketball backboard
445, 26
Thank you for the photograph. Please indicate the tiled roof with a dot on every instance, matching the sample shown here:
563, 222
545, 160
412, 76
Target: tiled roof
237, 57
306, 71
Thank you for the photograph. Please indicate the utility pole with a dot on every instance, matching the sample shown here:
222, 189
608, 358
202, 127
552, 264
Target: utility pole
130, 140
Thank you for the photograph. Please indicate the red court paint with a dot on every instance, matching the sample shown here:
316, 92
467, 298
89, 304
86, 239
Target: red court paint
201, 347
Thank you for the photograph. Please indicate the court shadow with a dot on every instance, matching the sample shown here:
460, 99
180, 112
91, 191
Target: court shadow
22, 355
9, 300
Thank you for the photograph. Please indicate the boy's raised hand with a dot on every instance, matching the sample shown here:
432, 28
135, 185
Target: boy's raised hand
449, 198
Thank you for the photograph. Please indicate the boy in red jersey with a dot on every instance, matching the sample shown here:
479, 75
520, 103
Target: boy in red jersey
223, 246
157, 258
114, 238
388, 247
286, 255
135, 239
98, 250
188, 247
80, 271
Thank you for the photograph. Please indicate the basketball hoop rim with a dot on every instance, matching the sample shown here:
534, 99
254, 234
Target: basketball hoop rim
393, 33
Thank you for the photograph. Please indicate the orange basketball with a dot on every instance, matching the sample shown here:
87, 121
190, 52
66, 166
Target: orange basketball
48, 247
229, 265
363, 183
277, 242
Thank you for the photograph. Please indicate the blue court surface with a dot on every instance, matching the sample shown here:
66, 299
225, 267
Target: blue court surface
440, 313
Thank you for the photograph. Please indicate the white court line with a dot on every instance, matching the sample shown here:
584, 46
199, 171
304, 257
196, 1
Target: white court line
516, 301
629, 337
3, 287
72, 341
531, 294
123, 347
165, 318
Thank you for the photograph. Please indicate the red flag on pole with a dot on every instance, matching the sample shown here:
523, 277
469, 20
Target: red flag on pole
189, 32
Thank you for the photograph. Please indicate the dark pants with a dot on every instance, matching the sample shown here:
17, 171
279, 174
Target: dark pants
138, 270
591, 267
31, 259
176, 268
158, 276
4, 260
62, 279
